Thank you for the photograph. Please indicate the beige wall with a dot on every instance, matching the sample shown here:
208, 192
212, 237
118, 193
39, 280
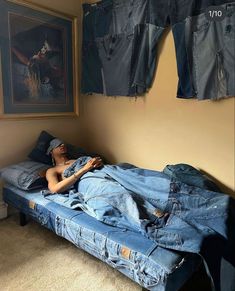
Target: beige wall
150, 132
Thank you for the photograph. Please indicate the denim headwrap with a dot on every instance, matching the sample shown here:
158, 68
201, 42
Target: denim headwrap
54, 144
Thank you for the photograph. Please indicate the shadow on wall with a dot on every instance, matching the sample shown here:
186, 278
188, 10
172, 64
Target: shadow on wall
223, 187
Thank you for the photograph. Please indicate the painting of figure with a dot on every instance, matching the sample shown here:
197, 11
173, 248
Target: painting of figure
38, 61
38, 67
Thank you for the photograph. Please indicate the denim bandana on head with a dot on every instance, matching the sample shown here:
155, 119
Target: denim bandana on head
54, 144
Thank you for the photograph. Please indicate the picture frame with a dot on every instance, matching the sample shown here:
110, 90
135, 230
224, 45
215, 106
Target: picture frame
38, 61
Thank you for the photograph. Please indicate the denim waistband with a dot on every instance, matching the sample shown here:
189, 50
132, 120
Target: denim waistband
97, 5
127, 3
202, 19
227, 6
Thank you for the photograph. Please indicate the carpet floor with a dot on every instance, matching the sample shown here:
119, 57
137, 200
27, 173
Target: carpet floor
32, 258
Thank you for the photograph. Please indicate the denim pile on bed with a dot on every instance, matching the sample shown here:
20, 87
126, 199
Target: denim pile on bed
176, 215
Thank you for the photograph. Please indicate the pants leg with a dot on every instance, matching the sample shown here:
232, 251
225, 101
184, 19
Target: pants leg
91, 81
185, 84
116, 48
96, 23
211, 45
144, 57
115, 53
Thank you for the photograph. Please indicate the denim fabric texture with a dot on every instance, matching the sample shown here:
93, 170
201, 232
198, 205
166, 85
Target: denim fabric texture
140, 259
190, 176
116, 48
126, 15
175, 215
172, 14
96, 22
25, 175
112, 195
120, 40
211, 45
115, 55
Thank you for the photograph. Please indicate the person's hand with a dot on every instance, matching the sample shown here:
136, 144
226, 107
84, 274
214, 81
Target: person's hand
93, 164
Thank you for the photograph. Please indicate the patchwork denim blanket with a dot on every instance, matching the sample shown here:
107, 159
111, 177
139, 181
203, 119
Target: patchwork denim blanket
178, 208
160, 205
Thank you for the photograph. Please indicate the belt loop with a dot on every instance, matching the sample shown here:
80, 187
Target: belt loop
230, 6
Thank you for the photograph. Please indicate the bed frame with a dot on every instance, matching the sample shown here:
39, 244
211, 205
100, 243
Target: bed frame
142, 260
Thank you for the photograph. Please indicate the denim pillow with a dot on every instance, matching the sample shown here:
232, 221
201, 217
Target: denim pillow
39, 153
27, 175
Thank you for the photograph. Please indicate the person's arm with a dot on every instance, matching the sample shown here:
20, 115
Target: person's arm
56, 186
22, 58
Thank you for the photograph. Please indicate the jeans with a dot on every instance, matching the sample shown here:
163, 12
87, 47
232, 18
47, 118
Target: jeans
122, 59
149, 200
116, 48
126, 15
96, 23
162, 14
114, 53
211, 47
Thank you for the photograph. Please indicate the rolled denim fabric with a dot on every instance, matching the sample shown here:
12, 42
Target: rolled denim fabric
54, 144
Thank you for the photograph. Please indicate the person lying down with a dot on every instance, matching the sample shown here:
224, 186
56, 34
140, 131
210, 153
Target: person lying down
177, 215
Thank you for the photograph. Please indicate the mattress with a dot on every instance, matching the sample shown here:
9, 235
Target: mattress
137, 257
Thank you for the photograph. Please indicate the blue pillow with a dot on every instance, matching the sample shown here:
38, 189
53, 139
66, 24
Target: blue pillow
39, 153
27, 175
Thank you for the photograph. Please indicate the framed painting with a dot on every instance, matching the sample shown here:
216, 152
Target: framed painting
38, 64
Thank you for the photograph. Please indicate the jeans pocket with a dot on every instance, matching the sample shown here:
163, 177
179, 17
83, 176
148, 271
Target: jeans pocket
43, 219
59, 226
146, 272
128, 14
42, 215
117, 255
200, 27
89, 241
230, 24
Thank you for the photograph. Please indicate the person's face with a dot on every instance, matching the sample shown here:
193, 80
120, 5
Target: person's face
60, 150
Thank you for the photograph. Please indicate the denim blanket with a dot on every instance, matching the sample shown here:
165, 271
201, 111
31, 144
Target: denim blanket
178, 208
157, 204
122, 195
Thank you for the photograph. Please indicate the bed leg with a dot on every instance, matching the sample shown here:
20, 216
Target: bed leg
23, 219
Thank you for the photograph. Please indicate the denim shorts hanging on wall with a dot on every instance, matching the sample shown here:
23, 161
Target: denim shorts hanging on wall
120, 40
